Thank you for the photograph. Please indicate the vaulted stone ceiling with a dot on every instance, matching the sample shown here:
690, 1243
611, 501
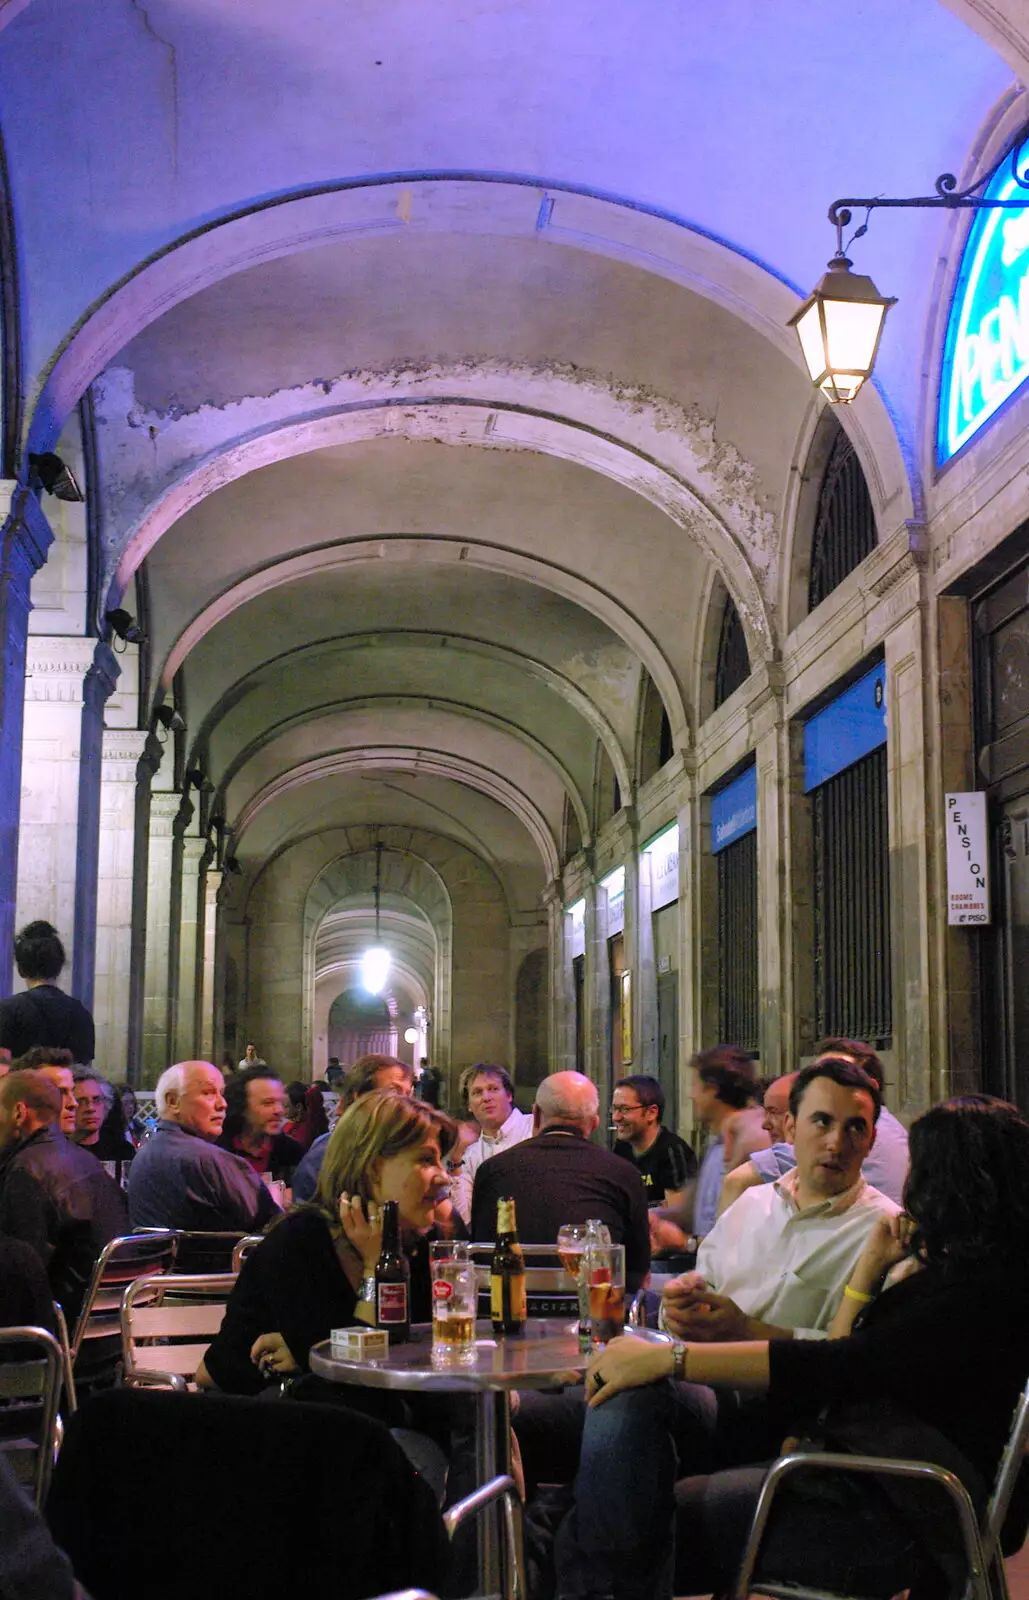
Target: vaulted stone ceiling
438, 366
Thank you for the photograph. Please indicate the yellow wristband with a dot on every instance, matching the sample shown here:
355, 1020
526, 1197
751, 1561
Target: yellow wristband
855, 1294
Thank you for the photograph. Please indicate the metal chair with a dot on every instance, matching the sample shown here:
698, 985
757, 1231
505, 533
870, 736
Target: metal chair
30, 1392
206, 1252
981, 1537
167, 1324
244, 1248
133, 1256
550, 1291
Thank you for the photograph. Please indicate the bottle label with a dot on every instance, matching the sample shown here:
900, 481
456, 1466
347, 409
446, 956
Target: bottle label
517, 1306
392, 1304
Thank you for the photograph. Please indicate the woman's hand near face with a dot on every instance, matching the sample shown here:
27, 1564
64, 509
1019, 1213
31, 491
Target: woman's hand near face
363, 1231
888, 1243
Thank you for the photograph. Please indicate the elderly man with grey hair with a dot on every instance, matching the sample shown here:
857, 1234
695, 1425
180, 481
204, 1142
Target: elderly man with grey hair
180, 1178
560, 1176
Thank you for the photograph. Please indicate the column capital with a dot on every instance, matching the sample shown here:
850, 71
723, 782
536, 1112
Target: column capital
102, 677
25, 535
56, 666
164, 808
192, 851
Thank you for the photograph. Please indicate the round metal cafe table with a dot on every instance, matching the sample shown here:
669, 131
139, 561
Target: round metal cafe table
536, 1359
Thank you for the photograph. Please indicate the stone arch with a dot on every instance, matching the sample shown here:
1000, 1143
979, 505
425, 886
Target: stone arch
407, 880
477, 961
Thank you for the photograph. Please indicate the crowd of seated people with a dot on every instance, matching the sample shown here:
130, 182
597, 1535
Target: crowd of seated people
837, 1292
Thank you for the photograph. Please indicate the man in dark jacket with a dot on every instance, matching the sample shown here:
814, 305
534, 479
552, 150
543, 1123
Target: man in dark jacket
559, 1176
43, 1013
53, 1196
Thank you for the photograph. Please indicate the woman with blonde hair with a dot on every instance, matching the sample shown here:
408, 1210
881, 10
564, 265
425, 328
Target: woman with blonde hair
315, 1270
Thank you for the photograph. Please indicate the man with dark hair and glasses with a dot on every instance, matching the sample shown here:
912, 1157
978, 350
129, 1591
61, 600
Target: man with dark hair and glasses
663, 1160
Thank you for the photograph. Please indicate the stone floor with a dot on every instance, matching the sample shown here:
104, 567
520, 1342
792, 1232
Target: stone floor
1017, 1573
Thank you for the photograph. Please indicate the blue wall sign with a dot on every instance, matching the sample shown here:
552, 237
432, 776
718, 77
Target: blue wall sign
734, 811
986, 354
851, 726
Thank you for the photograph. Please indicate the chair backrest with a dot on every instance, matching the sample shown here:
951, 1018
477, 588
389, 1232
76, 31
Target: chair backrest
1011, 1464
168, 1322
367, 1521
205, 1252
31, 1376
550, 1290
135, 1255
244, 1248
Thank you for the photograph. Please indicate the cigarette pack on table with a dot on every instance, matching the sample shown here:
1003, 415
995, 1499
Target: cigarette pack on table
360, 1344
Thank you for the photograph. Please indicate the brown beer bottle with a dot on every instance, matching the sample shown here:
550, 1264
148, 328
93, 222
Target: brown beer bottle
507, 1275
393, 1280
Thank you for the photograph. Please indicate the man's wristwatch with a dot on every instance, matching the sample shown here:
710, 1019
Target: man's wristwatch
679, 1349
367, 1294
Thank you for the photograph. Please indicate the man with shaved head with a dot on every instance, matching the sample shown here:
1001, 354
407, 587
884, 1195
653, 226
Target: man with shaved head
180, 1178
559, 1176
53, 1196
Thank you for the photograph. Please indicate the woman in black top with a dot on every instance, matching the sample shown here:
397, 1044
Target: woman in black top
305, 1278
929, 1367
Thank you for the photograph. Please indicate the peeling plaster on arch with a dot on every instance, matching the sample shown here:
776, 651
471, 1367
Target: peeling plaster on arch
568, 691
663, 451
649, 238
339, 709
401, 759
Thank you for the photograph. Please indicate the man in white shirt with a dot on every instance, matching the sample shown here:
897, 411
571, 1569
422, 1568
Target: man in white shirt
491, 1102
775, 1266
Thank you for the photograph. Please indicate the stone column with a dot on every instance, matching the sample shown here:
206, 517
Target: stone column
191, 925
122, 750
146, 769
25, 537
772, 753
206, 1030
561, 1023
56, 669
99, 685
156, 1055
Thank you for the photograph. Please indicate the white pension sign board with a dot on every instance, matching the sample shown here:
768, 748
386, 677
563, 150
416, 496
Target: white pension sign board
968, 860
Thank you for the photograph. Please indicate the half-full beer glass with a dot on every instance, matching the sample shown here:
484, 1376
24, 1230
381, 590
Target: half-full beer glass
454, 1294
605, 1274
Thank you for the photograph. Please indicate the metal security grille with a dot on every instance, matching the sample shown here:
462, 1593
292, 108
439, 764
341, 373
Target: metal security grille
845, 526
853, 996
733, 664
737, 943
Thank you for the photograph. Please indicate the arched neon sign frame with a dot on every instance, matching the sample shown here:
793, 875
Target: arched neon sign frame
986, 352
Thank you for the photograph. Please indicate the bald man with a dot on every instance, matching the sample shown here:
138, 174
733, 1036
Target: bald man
180, 1178
559, 1176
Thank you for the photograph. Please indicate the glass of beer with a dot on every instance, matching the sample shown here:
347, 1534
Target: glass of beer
454, 1295
605, 1275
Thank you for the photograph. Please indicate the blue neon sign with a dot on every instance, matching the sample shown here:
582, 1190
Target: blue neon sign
986, 354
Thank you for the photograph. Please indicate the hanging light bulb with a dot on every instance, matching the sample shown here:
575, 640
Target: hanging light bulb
376, 962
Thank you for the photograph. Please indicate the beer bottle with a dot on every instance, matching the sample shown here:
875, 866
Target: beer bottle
507, 1275
393, 1280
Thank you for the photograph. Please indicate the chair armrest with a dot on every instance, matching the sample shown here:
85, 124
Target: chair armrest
156, 1380
883, 1466
502, 1487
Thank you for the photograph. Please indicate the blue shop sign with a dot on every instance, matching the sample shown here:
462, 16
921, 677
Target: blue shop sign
734, 811
852, 726
986, 353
